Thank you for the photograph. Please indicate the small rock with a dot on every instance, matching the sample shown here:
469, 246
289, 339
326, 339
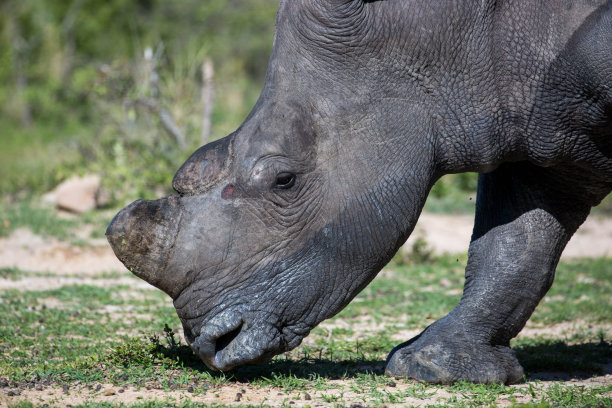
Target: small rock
98, 387
190, 389
392, 384
291, 402
77, 194
121, 391
39, 387
108, 393
65, 388
238, 397
307, 396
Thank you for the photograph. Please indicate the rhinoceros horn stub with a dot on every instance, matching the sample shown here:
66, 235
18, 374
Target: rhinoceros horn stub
142, 236
205, 167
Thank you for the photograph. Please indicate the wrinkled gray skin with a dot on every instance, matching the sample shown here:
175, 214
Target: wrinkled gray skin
365, 105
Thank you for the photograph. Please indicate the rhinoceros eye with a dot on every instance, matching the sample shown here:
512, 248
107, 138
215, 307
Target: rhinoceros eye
285, 180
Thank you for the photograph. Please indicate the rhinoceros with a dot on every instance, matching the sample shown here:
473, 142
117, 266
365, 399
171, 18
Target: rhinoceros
365, 105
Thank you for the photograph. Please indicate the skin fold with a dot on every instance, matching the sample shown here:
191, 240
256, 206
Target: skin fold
365, 104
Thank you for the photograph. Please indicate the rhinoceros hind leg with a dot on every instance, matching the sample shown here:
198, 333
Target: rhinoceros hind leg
525, 216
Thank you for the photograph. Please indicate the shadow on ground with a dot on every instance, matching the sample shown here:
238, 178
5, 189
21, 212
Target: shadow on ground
545, 360
553, 360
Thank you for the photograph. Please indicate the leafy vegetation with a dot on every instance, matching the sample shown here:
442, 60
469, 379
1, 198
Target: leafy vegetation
86, 85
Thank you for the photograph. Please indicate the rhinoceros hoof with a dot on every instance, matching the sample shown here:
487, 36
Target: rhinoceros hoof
440, 362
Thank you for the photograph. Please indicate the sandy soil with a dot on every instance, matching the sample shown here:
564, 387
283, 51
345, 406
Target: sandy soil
451, 233
239, 394
59, 264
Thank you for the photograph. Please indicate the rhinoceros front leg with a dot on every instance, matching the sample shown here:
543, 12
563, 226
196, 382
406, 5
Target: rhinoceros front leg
524, 218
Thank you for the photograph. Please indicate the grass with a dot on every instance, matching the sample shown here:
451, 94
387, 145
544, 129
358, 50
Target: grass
46, 222
41, 221
88, 335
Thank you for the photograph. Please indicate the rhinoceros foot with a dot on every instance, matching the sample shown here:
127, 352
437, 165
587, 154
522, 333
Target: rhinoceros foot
444, 358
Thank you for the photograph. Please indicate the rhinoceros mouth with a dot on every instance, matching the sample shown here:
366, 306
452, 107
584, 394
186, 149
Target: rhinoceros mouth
228, 341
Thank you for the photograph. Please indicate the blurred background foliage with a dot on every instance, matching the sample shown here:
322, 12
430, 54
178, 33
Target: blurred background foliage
85, 85
115, 87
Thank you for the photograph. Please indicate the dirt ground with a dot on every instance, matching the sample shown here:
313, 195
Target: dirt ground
443, 233
241, 394
62, 264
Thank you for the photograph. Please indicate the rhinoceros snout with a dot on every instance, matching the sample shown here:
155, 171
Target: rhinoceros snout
142, 235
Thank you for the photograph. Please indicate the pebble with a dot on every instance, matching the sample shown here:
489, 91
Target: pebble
109, 393
307, 396
238, 397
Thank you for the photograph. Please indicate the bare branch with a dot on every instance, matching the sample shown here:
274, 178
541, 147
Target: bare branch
208, 96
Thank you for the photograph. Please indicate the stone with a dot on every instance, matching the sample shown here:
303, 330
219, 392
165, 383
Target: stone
77, 194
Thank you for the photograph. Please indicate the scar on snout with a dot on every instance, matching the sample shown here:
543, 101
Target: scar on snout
228, 191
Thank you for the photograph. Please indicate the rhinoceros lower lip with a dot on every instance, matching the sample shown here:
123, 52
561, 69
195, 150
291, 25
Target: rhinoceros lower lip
228, 341
212, 343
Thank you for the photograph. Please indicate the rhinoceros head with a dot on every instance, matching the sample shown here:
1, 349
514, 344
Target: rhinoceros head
277, 226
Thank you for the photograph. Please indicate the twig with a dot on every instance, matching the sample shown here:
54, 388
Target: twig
165, 118
208, 95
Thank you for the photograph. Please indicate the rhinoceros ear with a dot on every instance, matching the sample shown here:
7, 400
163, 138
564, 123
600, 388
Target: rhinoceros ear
205, 167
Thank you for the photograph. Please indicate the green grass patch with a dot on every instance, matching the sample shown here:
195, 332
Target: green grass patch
581, 290
128, 337
41, 221
10, 273
45, 222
